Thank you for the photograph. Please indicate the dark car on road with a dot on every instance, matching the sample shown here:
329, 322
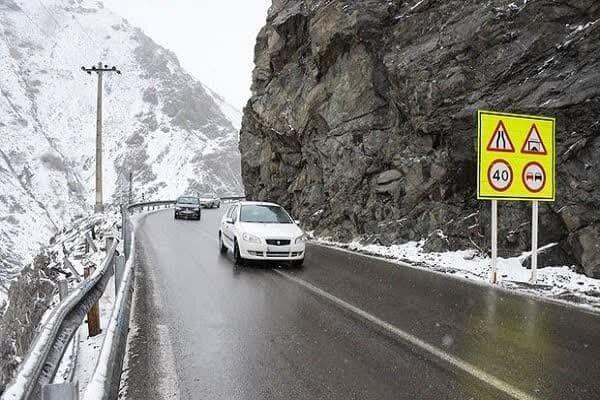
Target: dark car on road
187, 207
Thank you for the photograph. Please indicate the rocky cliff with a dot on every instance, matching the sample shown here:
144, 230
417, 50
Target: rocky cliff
160, 123
362, 117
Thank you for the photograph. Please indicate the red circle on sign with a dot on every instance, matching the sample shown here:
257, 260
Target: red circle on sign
525, 176
491, 181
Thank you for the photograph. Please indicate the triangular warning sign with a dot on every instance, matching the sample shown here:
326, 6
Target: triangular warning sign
501, 140
534, 143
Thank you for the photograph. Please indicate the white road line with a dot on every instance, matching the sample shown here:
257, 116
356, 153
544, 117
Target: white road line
415, 341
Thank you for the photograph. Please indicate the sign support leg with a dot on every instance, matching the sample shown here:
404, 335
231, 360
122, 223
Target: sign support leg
534, 239
494, 271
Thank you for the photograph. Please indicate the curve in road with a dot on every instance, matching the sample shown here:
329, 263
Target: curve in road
206, 329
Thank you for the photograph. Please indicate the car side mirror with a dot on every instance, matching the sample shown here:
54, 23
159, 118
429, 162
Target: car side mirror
297, 222
228, 221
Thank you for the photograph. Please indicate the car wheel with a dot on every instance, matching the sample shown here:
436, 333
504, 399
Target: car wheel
222, 247
298, 263
236, 254
175, 216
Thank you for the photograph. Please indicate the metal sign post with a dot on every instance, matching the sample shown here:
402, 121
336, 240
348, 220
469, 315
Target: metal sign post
534, 239
516, 160
494, 270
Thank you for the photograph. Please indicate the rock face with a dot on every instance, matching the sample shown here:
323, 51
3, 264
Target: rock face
362, 116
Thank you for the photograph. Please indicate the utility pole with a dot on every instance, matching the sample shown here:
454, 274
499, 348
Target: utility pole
100, 70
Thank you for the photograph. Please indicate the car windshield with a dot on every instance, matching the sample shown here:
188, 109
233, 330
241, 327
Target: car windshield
264, 214
187, 200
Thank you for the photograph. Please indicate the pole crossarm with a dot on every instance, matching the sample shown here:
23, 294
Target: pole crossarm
100, 68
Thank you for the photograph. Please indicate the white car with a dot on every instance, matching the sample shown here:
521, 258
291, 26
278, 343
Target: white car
210, 200
261, 231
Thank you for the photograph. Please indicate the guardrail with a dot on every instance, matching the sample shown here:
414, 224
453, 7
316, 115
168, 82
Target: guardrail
40, 365
106, 378
156, 205
42, 361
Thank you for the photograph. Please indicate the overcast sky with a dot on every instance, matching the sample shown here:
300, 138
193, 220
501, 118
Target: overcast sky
213, 39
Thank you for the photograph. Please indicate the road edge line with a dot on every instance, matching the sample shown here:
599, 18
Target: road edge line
514, 292
464, 366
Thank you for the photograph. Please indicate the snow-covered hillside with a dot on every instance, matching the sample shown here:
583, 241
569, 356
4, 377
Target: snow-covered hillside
173, 133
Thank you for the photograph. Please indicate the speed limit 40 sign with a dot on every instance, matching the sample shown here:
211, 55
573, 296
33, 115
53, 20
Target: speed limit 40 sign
516, 157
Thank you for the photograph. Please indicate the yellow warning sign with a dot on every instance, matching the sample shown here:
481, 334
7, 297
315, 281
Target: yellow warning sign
516, 157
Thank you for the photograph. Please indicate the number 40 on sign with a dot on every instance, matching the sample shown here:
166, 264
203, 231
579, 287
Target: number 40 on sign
516, 161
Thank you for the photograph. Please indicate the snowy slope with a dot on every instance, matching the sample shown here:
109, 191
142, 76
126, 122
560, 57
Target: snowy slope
174, 134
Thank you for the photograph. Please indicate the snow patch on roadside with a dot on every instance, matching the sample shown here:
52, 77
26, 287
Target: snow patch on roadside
66, 369
89, 348
560, 283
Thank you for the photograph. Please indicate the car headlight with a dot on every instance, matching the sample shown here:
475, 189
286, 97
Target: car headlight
178, 208
250, 238
301, 239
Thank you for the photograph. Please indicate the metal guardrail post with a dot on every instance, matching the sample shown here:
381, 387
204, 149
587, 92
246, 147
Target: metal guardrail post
61, 391
119, 266
93, 316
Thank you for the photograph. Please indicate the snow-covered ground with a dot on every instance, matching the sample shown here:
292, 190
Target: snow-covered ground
560, 283
160, 123
89, 347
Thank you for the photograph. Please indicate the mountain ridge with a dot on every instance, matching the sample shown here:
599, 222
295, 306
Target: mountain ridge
161, 124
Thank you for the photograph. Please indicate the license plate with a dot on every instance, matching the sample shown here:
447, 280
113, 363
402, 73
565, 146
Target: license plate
279, 249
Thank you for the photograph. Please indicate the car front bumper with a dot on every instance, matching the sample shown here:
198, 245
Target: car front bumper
187, 213
254, 251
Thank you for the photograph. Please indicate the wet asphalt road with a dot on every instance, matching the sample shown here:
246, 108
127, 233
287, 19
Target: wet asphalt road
206, 329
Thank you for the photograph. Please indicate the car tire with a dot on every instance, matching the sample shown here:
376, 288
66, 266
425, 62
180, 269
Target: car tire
222, 247
236, 254
175, 216
298, 263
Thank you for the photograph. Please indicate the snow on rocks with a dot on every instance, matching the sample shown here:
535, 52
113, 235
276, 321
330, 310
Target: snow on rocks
560, 283
35, 288
160, 122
